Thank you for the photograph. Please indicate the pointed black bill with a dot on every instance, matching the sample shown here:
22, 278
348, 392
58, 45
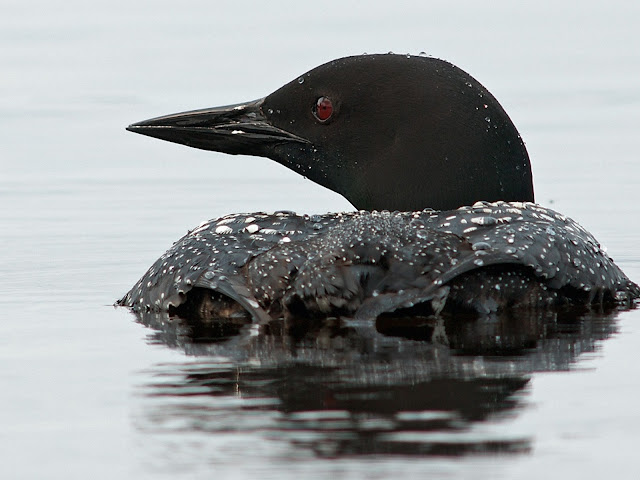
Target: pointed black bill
233, 129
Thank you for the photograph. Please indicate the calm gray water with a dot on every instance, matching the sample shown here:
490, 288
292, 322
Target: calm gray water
89, 391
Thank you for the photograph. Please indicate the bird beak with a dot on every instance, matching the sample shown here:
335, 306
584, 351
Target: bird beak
234, 129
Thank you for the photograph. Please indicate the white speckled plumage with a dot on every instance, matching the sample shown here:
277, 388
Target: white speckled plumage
367, 263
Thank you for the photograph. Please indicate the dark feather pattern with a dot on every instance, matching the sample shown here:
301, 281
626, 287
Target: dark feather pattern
368, 263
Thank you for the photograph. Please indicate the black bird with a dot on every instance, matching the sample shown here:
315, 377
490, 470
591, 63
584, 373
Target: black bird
444, 187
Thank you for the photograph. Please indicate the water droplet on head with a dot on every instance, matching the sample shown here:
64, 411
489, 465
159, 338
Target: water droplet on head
423, 54
301, 80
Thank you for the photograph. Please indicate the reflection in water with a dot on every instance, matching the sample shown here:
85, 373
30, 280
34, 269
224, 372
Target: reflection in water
409, 386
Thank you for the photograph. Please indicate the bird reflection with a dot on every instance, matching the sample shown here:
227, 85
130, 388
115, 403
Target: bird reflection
399, 385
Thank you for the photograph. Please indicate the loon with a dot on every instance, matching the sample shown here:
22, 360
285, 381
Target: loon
442, 181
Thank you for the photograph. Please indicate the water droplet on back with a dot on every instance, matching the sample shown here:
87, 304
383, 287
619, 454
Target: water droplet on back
480, 246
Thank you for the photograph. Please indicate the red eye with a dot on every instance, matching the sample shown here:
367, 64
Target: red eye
323, 109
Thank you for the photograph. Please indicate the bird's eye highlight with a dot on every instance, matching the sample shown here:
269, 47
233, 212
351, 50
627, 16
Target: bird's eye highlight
323, 109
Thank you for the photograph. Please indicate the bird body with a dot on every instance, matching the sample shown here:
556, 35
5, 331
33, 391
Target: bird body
364, 264
388, 132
